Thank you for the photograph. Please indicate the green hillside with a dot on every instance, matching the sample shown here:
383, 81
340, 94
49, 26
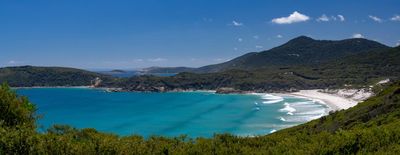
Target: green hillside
298, 51
167, 69
315, 64
370, 127
358, 70
27, 76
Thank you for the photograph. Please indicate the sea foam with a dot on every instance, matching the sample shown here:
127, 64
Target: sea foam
287, 108
303, 111
271, 99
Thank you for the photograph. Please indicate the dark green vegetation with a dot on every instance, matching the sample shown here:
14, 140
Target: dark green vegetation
302, 63
298, 51
27, 76
358, 70
369, 127
167, 69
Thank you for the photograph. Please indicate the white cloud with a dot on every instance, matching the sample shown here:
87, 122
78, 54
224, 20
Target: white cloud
236, 23
258, 46
357, 35
292, 18
240, 39
256, 37
235, 48
395, 18
375, 18
156, 59
341, 17
14, 62
279, 36
398, 43
323, 18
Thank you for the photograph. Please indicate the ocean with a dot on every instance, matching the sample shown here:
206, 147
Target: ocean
195, 114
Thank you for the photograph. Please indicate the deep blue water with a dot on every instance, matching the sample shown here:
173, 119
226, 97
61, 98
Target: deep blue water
170, 114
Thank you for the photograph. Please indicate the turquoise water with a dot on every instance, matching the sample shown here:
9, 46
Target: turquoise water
170, 114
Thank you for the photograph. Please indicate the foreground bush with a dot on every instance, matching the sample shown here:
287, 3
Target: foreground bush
370, 127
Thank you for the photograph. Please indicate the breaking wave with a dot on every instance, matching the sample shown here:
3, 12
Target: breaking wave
270, 99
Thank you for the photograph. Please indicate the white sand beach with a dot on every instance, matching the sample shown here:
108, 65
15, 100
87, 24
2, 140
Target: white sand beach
334, 101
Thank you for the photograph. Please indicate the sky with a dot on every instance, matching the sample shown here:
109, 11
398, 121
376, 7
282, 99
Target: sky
131, 34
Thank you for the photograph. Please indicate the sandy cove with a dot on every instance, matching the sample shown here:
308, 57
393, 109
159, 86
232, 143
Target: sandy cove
334, 101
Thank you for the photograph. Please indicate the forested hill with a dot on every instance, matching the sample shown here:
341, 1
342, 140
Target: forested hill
359, 70
298, 51
167, 69
370, 127
27, 76
376, 58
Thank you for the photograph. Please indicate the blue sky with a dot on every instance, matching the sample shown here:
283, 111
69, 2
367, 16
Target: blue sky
142, 33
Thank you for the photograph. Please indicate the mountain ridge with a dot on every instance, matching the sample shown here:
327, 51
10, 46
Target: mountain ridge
357, 70
301, 50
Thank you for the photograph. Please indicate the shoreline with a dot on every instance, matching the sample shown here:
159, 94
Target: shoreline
115, 89
52, 87
333, 101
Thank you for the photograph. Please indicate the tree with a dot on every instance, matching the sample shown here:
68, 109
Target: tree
15, 110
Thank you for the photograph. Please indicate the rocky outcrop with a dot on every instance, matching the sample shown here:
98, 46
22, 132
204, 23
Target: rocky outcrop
96, 82
227, 90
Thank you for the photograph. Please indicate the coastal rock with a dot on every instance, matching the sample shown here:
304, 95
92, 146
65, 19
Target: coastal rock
227, 90
96, 82
159, 89
113, 90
